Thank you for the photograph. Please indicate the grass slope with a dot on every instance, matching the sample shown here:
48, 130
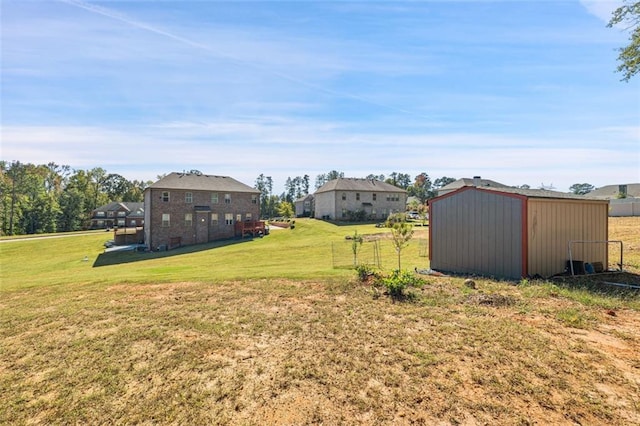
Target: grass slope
268, 332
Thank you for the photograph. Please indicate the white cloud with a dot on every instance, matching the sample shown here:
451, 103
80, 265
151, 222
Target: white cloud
601, 9
245, 150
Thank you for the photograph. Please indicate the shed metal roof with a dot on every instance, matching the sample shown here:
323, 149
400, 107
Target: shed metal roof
529, 193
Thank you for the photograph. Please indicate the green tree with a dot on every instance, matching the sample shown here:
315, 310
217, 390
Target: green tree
356, 245
443, 181
421, 188
629, 56
264, 184
285, 209
401, 233
321, 179
581, 188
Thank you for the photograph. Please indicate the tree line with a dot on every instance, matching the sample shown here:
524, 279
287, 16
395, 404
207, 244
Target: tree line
49, 197
45, 198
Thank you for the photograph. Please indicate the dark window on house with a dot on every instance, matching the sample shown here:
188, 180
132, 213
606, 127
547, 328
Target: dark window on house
214, 218
344, 195
227, 198
357, 196
188, 197
375, 196
228, 218
214, 198
254, 199
165, 196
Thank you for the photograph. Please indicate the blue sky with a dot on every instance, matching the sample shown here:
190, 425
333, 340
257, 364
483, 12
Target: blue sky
515, 91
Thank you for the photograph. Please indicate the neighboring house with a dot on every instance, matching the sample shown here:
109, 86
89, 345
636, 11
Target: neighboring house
304, 206
118, 215
346, 198
476, 181
624, 200
514, 233
193, 208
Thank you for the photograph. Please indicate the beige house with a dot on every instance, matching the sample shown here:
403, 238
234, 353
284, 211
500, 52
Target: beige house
624, 200
514, 233
358, 199
193, 208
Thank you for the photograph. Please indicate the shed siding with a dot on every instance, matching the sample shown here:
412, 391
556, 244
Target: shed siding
553, 223
477, 232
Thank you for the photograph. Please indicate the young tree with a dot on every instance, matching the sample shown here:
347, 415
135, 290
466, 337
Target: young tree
628, 15
356, 245
401, 233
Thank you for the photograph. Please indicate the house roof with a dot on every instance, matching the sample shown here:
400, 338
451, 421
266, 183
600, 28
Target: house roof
471, 182
612, 191
202, 182
530, 193
117, 205
356, 184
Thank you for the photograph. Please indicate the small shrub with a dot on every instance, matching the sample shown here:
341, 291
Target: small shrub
399, 281
364, 272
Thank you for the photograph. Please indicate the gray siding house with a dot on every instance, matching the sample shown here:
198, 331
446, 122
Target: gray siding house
304, 206
342, 198
193, 208
514, 233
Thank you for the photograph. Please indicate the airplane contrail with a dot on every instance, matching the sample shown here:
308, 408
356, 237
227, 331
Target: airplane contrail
110, 13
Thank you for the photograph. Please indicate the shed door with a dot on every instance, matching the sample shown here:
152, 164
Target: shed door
202, 227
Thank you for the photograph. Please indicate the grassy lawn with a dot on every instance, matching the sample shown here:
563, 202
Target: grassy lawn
268, 331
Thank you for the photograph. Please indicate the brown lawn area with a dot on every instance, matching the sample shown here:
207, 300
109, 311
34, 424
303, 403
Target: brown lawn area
282, 352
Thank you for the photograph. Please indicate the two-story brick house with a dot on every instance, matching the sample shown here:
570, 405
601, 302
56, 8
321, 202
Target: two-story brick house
118, 214
344, 198
194, 208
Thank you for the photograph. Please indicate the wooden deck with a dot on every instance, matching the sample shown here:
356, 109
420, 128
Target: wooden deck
251, 228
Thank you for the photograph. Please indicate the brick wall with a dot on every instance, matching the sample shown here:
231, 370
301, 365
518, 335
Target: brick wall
178, 206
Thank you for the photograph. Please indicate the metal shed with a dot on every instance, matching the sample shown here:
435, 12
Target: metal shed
515, 233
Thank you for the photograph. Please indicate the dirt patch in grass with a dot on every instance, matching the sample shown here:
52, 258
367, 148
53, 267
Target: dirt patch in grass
286, 352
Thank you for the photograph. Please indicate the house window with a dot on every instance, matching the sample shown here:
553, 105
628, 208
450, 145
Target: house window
166, 220
344, 213
238, 218
227, 198
99, 214
228, 218
133, 222
121, 214
344, 196
110, 214
121, 222
214, 219
101, 223
375, 196
357, 196
214, 198
165, 196
188, 197
254, 199
188, 219
373, 212
248, 217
